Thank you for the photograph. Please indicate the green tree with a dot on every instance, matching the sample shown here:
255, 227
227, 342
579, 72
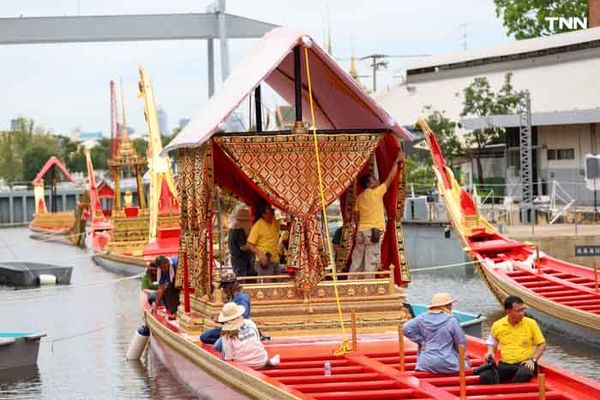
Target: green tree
527, 18
10, 164
445, 131
419, 174
100, 153
34, 159
479, 101
141, 146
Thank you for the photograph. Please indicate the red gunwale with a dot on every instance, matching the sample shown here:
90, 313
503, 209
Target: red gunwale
373, 372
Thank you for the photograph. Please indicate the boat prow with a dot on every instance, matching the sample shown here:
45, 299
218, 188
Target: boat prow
562, 295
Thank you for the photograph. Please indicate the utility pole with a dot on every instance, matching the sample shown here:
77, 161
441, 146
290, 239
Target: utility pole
463, 36
376, 64
223, 39
524, 112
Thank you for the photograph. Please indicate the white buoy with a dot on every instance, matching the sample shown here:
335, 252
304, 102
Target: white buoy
47, 279
138, 343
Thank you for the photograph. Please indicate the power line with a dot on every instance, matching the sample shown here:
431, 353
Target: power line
348, 58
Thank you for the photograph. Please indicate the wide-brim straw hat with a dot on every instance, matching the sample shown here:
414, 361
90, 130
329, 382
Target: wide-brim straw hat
233, 325
441, 300
230, 312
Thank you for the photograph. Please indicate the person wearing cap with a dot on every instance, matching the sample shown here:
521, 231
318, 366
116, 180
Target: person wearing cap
167, 294
241, 256
233, 293
521, 345
438, 335
241, 339
263, 241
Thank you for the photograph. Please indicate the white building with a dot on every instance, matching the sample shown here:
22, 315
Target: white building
561, 74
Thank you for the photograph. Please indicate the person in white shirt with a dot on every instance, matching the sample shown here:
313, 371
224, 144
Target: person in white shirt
241, 339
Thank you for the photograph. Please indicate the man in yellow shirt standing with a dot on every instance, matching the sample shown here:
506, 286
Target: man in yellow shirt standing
263, 241
521, 345
371, 222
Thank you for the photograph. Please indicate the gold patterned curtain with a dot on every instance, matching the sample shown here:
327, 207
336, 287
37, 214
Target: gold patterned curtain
284, 168
195, 188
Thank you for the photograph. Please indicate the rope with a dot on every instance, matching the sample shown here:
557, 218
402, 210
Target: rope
344, 347
59, 290
437, 267
53, 340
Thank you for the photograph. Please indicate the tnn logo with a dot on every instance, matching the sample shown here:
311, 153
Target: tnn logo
570, 23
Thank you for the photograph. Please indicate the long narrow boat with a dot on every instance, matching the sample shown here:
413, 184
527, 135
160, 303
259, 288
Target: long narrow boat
563, 295
138, 233
54, 224
310, 313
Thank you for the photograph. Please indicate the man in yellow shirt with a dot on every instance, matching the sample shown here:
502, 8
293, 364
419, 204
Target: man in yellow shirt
371, 222
521, 345
263, 241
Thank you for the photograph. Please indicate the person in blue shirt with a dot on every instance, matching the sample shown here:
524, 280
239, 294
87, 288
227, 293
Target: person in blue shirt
233, 293
438, 335
167, 294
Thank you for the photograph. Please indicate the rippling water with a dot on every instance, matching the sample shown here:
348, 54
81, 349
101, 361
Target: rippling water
89, 328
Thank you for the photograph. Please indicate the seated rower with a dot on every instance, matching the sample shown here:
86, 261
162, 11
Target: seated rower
241, 339
438, 335
233, 293
521, 345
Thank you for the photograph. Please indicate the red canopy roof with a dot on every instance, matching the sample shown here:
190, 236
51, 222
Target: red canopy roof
53, 162
340, 103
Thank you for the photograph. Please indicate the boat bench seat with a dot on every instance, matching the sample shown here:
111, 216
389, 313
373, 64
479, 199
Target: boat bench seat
495, 245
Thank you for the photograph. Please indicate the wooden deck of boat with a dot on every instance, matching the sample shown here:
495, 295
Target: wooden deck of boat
564, 287
374, 373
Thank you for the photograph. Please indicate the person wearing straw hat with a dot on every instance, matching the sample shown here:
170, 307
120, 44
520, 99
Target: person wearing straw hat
438, 335
240, 254
241, 339
233, 293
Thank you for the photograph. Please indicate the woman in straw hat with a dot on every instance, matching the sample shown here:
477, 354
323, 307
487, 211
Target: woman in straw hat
241, 256
241, 339
438, 335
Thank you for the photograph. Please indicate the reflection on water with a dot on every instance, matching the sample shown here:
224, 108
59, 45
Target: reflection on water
475, 297
89, 328
22, 383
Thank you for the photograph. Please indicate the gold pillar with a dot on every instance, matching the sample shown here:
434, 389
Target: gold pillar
117, 199
140, 187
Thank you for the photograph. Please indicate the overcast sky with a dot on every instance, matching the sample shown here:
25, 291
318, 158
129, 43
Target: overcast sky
64, 86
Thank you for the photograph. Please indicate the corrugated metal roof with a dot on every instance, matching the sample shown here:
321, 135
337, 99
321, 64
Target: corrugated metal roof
562, 84
511, 48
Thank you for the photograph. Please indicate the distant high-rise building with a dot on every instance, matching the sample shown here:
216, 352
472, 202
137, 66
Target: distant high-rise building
130, 129
162, 121
14, 124
183, 122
